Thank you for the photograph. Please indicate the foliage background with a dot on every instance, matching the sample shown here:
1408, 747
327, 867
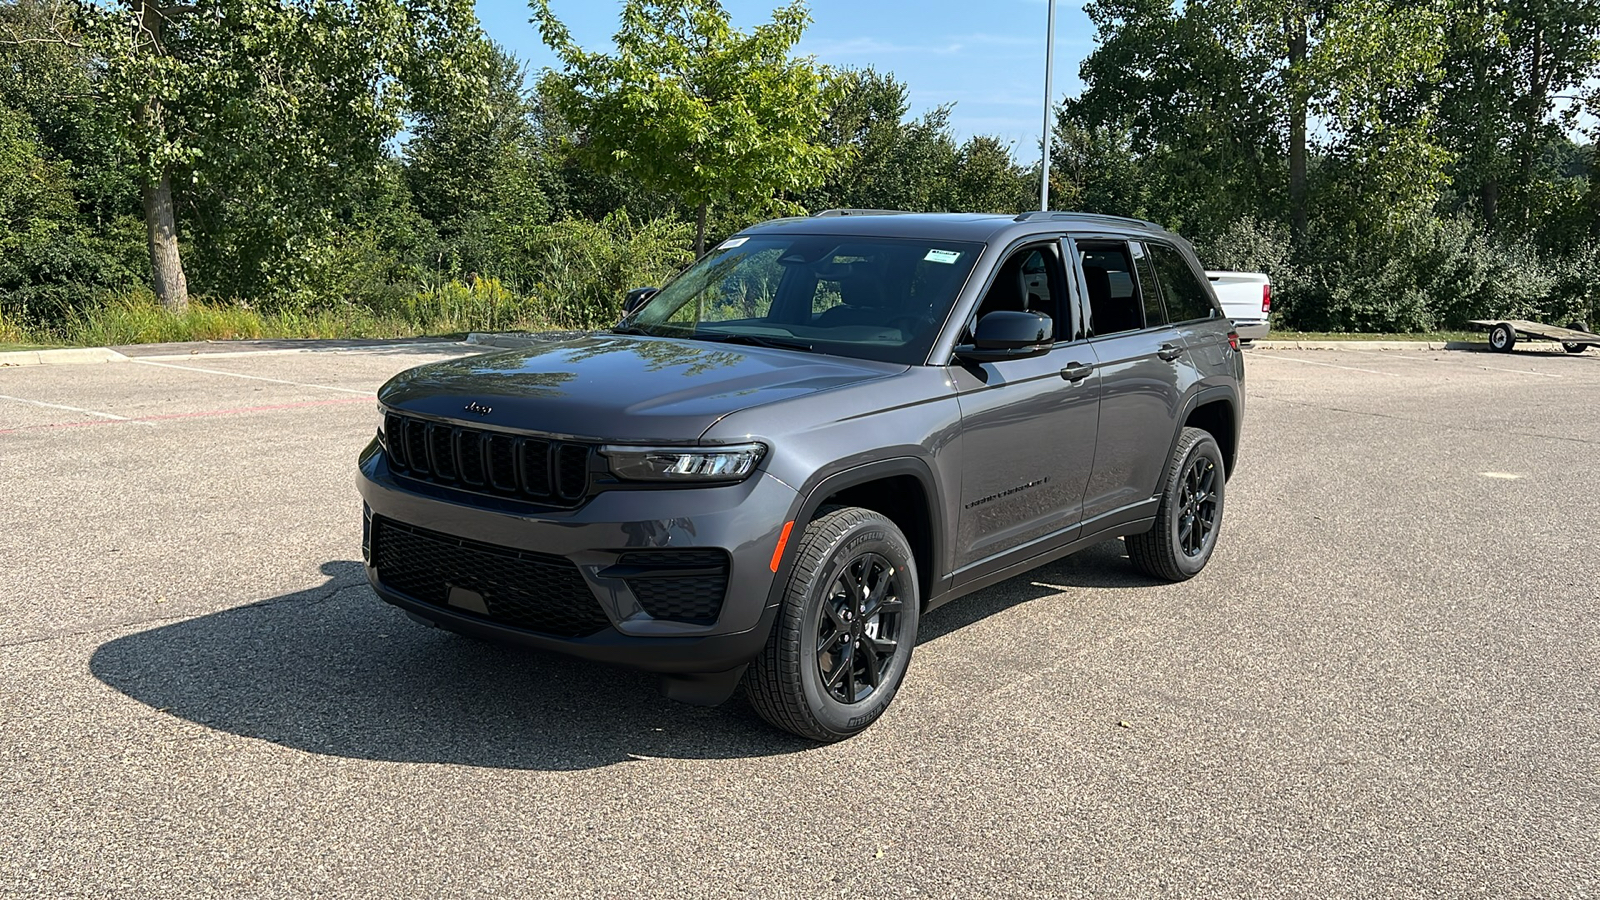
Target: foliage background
380, 166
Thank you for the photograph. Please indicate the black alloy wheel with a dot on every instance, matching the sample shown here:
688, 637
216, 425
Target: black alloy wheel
1189, 517
1199, 506
858, 628
846, 629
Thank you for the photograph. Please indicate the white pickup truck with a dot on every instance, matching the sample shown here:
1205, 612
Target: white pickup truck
1246, 298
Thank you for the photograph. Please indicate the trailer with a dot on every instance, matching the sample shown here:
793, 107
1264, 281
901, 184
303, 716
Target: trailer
1503, 334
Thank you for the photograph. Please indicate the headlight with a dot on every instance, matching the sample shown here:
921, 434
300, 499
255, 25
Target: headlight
731, 462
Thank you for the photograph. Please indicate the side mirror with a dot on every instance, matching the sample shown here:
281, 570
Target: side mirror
1009, 335
637, 297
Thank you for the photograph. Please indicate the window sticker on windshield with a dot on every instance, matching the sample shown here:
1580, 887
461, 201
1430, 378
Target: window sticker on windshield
943, 256
731, 243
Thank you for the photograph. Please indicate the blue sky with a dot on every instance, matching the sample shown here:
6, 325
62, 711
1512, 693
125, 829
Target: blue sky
985, 56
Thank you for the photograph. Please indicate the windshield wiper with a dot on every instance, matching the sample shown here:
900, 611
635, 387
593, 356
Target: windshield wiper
631, 329
755, 340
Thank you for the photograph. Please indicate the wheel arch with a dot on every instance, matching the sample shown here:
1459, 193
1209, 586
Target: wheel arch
1214, 410
904, 490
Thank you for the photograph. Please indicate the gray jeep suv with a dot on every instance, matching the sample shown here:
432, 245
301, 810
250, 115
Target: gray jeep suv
773, 466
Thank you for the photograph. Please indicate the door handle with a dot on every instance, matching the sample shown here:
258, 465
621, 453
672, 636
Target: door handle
1169, 352
1076, 372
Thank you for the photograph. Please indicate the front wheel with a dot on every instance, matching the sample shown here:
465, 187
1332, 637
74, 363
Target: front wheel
1574, 348
1189, 515
843, 639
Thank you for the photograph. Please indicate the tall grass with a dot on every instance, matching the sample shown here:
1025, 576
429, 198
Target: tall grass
570, 274
137, 317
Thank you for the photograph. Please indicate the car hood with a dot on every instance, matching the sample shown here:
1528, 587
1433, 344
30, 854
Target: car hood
619, 387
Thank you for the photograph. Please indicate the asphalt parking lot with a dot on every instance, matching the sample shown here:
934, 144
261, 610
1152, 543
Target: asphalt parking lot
1387, 683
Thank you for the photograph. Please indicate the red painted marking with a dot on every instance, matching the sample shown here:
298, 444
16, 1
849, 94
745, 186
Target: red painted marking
777, 554
237, 411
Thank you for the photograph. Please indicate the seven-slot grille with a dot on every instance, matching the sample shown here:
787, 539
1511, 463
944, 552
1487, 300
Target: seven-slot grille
536, 591
532, 468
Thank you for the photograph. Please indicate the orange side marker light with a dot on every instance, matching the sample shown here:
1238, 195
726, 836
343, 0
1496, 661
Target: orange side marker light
783, 540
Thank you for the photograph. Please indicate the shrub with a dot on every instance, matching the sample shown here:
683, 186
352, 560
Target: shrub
482, 305
1427, 274
579, 271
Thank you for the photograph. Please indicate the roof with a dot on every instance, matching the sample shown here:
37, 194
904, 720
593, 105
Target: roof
980, 227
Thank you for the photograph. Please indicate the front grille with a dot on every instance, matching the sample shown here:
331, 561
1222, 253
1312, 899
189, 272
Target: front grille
535, 591
554, 473
681, 585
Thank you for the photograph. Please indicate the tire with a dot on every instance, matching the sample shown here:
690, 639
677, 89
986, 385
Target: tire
1574, 348
806, 681
1192, 499
1502, 338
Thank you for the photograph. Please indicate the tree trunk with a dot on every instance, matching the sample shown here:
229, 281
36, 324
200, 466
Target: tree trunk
165, 264
1491, 201
700, 231
161, 225
1298, 104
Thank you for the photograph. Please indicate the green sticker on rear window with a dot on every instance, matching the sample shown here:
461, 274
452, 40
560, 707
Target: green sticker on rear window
943, 256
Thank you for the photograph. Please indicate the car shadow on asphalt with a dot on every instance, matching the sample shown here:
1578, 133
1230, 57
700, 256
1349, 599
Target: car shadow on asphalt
334, 670
1103, 565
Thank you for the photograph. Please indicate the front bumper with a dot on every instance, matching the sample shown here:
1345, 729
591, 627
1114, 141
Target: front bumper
745, 520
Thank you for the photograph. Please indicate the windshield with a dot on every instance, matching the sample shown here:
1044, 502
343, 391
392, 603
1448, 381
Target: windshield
867, 297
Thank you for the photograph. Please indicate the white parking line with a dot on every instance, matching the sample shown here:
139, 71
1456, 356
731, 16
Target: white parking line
77, 409
430, 346
325, 387
1519, 371
1323, 364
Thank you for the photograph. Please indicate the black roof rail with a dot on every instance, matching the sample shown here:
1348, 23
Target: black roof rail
1039, 214
861, 212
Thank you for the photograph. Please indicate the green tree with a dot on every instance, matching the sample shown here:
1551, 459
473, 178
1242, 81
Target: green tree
1094, 168
891, 162
1219, 97
988, 179
265, 100
693, 107
1511, 91
1175, 96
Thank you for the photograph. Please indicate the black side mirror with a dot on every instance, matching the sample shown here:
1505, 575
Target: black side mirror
637, 297
1009, 334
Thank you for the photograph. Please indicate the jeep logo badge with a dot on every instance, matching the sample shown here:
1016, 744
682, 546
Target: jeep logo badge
479, 408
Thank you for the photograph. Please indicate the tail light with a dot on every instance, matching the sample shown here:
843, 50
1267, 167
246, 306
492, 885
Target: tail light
1266, 298
1233, 339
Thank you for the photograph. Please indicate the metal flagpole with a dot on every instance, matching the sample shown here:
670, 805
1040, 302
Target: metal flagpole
1049, 71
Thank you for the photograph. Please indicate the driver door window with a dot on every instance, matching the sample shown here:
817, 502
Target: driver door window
1030, 280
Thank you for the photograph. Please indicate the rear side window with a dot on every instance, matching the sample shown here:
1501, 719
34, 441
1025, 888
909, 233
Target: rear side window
1154, 315
1187, 297
1114, 303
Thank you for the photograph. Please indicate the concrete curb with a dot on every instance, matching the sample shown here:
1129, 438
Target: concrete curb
519, 340
168, 357
65, 357
1367, 345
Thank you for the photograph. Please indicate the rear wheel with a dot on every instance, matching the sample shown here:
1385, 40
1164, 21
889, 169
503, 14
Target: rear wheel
843, 639
1190, 514
1502, 338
